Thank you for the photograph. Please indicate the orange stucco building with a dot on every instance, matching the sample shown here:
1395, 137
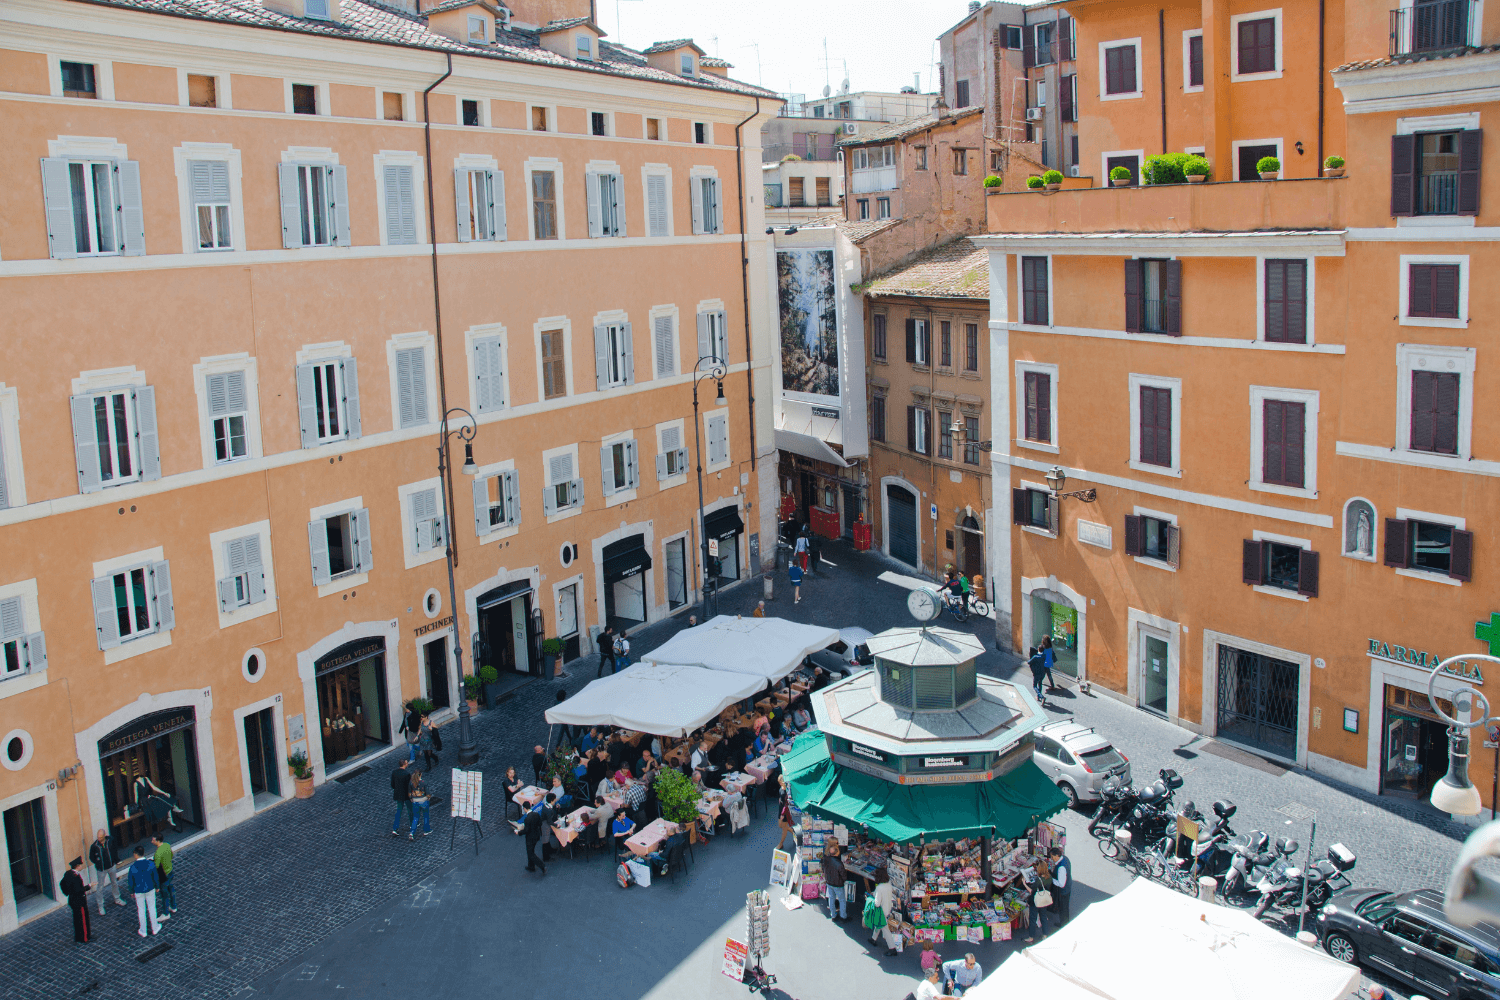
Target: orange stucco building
1271, 386
236, 313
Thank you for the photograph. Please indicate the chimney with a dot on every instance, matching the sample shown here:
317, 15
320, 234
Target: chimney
974, 6
916, 81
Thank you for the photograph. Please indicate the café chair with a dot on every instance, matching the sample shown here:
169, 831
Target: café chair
676, 860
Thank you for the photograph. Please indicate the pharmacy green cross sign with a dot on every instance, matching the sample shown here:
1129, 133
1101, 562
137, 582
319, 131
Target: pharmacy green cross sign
1489, 632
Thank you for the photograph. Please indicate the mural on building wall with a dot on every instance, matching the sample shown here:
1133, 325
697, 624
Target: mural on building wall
809, 322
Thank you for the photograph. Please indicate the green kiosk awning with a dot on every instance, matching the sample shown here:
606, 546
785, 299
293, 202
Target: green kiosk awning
1008, 806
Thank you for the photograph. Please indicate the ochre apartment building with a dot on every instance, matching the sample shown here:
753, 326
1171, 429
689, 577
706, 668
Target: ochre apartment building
236, 313
1271, 384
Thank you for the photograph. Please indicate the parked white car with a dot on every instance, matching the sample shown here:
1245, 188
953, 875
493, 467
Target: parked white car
1078, 759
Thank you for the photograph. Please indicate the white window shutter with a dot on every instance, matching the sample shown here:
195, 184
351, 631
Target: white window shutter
406, 405
317, 541
161, 594
254, 568
147, 441
705, 339
424, 516
497, 202
632, 465
718, 220
575, 493
208, 182
601, 356
721, 336
666, 362
4, 486
359, 520
12, 619
85, 443
57, 198
628, 344
34, 652
482, 505
607, 461
682, 459
106, 620
489, 375
132, 212
671, 439
307, 406
596, 224
288, 179
617, 189
226, 594
656, 196
338, 187
400, 205
549, 500
461, 204
351, 397
510, 489
695, 190
661, 466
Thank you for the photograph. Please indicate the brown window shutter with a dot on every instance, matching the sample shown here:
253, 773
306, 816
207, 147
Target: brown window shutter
1134, 524
927, 341
1253, 568
1461, 559
1423, 398
1296, 301
1445, 290
1276, 301
1065, 97
1033, 424
1404, 174
1020, 506
1294, 451
1044, 408
1419, 299
1273, 436
1171, 297
911, 341
1028, 47
1307, 573
1054, 518
1133, 296
1065, 39
1397, 542
1445, 414
1174, 545
911, 428
1470, 147
1195, 61
927, 435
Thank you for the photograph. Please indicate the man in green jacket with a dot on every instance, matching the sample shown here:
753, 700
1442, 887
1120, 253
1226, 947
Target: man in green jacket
164, 892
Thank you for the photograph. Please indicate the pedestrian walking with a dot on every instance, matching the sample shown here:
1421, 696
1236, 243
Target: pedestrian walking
1049, 658
401, 793
622, 652
142, 877
836, 879
166, 894
102, 857
539, 764
532, 826
1038, 666
794, 573
73, 887
1062, 885
815, 552
783, 812
421, 806
427, 738
411, 728
606, 642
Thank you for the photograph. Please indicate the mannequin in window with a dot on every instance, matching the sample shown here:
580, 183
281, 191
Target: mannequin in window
156, 805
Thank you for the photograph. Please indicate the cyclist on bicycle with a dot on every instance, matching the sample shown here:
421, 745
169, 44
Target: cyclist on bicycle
958, 587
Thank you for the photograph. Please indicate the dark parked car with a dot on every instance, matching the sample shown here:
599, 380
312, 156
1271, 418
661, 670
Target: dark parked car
1407, 936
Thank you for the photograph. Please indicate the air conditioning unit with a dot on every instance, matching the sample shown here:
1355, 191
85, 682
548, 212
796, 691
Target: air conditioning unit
1073, 170
851, 128
1033, 114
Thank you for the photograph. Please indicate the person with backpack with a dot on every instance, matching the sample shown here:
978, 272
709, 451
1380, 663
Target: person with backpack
429, 741
1049, 658
421, 806
411, 728
142, 878
1038, 666
622, 651
76, 892
794, 573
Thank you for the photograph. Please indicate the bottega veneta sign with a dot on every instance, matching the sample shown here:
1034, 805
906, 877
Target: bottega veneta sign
1424, 661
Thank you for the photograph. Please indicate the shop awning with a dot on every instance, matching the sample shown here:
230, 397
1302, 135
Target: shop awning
1007, 807
768, 648
663, 700
809, 447
723, 523
624, 558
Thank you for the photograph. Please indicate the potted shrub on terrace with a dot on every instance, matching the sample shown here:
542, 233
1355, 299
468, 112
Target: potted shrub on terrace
490, 677
471, 692
302, 775
552, 654
992, 181
1196, 169
1119, 176
1268, 167
1035, 183
1164, 168
677, 797
1333, 166
1052, 179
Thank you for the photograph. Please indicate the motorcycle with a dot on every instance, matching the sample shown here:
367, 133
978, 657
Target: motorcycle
1209, 855
1248, 852
1290, 888
1143, 811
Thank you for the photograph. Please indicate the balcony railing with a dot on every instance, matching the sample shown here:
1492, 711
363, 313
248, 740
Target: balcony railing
1431, 27
1438, 194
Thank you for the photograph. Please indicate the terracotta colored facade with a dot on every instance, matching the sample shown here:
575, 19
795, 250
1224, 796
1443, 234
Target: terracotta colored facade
1272, 386
256, 555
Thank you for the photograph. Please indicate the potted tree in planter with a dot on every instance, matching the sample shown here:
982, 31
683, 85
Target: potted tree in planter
678, 798
489, 677
1268, 167
1196, 169
1119, 176
471, 692
992, 181
552, 655
1333, 166
1052, 179
1035, 183
302, 775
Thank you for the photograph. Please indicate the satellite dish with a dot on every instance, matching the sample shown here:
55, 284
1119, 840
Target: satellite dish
827, 90
844, 87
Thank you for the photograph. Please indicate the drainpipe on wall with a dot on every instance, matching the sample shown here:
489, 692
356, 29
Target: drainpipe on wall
1161, 49
1322, 76
739, 176
437, 306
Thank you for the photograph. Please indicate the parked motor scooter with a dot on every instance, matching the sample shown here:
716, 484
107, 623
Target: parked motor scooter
1295, 888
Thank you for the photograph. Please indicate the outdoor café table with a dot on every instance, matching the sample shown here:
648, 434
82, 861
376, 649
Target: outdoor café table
650, 836
710, 804
736, 782
616, 800
572, 825
760, 768
529, 796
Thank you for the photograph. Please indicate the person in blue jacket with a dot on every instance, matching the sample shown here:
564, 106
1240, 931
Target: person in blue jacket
794, 573
142, 879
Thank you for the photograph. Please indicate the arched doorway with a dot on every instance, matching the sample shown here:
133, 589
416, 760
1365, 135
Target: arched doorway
1056, 615
901, 524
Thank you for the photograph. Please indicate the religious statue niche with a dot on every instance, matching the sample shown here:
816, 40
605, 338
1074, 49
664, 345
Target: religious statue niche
1359, 529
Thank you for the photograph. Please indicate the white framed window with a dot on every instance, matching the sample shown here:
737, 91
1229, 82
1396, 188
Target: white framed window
1435, 401
306, 98
314, 204
12, 472
1284, 441
93, 205
394, 105
584, 45
413, 378
401, 211
497, 500
1190, 40
922, 417
328, 400
921, 347
1148, 428
620, 466
478, 29
713, 333
656, 179
1152, 538
479, 197
614, 352
133, 601
708, 213
209, 192
114, 437
245, 584
339, 543
1287, 567
563, 493
542, 118
1441, 296
601, 123
228, 412
1036, 396
716, 439
473, 112
1235, 157
81, 75
1286, 300
664, 340
23, 646
1433, 547
606, 200
671, 454
685, 64
1120, 69
1255, 46
424, 522
554, 357
545, 218
489, 378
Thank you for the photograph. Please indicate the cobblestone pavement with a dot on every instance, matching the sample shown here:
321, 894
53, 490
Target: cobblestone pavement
324, 876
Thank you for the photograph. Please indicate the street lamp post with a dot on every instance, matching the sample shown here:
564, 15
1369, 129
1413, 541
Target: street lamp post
468, 750
1057, 479
716, 371
1454, 793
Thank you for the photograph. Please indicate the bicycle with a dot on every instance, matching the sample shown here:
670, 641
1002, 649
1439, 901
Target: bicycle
954, 605
1146, 861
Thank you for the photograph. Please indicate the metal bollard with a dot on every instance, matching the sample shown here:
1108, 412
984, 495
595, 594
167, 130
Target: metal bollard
770, 583
1122, 837
1308, 938
1206, 886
